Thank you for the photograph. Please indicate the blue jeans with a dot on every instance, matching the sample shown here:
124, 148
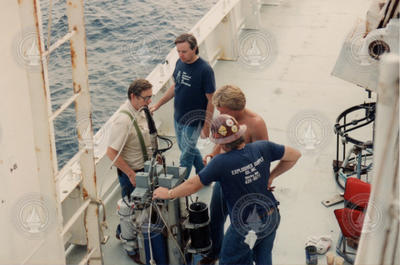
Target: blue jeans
218, 214
126, 186
126, 189
187, 137
236, 251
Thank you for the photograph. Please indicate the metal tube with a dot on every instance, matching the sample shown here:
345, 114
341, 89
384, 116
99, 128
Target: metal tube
75, 217
64, 106
87, 257
58, 43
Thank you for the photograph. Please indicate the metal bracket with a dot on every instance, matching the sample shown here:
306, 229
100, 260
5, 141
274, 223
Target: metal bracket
395, 210
338, 198
104, 240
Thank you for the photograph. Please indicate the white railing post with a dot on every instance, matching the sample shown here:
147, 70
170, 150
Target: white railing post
251, 9
379, 230
75, 13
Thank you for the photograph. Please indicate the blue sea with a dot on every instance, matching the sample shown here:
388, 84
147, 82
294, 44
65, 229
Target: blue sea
126, 39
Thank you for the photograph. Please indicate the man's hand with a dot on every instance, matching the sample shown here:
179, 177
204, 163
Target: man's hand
205, 132
132, 178
154, 108
159, 159
167, 97
207, 159
160, 193
270, 187
217, 150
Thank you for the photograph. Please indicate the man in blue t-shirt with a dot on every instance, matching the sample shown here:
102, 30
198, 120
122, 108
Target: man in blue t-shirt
193, 90
245, 177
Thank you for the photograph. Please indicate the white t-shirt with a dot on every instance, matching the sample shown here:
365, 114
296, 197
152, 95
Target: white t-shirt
132, 150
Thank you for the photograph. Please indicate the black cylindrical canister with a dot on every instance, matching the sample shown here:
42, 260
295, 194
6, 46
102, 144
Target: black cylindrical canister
198, 213
200, 236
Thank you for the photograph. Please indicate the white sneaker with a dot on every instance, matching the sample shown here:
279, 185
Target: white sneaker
322, 243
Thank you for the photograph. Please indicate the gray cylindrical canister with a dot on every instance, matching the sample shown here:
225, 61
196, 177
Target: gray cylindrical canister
125, 213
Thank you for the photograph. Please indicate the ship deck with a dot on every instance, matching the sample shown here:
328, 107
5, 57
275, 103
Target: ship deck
308, 37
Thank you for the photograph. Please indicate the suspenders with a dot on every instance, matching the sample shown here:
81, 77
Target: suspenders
139, 134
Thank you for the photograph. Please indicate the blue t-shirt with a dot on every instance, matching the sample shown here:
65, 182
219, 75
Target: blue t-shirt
244, 171
192, 82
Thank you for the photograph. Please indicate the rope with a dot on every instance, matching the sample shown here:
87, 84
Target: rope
103, 224
49, 28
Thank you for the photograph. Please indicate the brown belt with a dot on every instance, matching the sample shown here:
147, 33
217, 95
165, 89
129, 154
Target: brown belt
271, 211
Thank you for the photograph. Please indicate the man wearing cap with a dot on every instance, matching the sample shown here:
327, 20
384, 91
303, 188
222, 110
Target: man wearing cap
229, 99
244, 174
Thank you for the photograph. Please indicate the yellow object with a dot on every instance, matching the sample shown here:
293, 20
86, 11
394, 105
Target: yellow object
234, 128
339, 261
330, 258
222, 130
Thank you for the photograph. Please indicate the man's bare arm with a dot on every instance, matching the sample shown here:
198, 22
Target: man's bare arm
288, 160
167, 97
205, 132
192, 185
122, 165
216, 150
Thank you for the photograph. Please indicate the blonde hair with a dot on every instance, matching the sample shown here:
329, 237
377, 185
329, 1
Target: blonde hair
229, 96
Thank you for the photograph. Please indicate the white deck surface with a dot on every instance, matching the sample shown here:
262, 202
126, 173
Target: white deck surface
309, 35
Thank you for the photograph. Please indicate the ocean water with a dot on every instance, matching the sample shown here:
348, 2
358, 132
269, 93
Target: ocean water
126, 39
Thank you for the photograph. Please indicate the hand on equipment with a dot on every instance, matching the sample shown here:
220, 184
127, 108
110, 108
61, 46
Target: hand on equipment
160, 193
153, 108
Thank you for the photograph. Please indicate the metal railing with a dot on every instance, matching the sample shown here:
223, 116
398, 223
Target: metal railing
52, 185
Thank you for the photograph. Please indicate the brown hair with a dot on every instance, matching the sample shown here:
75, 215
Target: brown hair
235, 144
189, 38
138, 86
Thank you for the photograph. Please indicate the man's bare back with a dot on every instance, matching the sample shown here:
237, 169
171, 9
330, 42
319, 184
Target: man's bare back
256, 127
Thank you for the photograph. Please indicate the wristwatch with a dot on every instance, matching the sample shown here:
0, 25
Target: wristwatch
170, 194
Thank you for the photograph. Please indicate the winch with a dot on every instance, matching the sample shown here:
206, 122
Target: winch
162, 231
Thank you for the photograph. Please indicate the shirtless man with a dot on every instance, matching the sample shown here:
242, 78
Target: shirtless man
230, 100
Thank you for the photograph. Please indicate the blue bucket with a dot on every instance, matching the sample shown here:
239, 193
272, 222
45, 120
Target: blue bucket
158, 244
